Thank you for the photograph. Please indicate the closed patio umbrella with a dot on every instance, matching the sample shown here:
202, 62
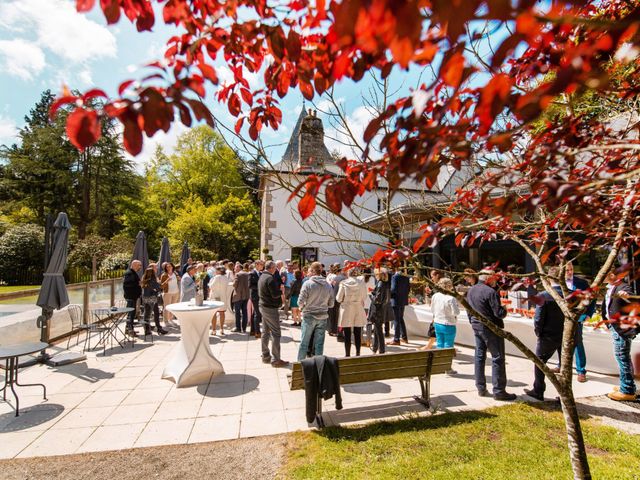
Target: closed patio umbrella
140, 252
165, 253
184, 255
53, 292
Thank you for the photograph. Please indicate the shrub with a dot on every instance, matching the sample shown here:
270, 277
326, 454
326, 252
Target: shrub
200, 254
115, 261
22, 254
82, 251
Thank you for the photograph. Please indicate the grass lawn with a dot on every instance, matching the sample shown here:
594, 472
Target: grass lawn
17, 288
517, 441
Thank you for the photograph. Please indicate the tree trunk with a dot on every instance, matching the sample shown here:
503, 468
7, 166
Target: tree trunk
575, 439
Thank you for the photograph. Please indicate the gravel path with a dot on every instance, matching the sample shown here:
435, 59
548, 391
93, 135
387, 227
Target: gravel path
244, 459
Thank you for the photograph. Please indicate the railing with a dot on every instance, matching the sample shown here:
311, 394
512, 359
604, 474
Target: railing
18, 310
72, 275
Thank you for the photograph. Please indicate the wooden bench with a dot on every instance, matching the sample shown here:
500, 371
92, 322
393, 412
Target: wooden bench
371, 368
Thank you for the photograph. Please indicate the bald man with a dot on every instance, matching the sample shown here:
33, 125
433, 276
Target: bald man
132, 291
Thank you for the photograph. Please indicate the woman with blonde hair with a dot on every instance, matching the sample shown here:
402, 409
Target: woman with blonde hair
219, 291
378, 311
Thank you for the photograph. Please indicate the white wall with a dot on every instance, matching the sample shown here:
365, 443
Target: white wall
335, 239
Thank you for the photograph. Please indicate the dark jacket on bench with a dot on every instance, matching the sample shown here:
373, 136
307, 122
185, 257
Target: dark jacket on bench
321, 378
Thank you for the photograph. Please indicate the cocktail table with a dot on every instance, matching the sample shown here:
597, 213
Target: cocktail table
192, 363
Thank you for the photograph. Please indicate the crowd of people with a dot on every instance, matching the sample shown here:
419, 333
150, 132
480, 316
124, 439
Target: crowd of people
359, 307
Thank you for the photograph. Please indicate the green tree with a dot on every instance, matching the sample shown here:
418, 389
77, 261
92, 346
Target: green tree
202, 166
202, 179
46, 174
230, 228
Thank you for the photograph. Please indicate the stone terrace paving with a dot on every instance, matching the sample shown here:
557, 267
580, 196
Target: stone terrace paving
119, 401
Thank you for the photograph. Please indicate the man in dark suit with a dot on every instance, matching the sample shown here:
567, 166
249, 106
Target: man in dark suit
576, 283
548, 324
399, 300
485, 300
132, 292
256, 318
615, 300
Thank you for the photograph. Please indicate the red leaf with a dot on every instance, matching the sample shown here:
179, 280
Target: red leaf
94, 93
246, 96
83, 128
451, 71
402, 51
59, 102
209, 73
307, 204
111, 10
234, 105
295, 191
124, 85
132, 137
84, 5
372, 129
238, 125
294, 47
201, 111
332, 193
306, 89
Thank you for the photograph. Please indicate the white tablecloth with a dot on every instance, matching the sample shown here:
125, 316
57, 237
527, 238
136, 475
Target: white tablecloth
192, 362
597, 343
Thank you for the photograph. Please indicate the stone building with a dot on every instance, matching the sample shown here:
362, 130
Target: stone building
357, 232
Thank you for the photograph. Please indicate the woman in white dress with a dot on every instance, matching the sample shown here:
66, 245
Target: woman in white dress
219, 291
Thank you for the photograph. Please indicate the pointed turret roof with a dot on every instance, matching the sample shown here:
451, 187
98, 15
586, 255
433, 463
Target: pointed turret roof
306, 148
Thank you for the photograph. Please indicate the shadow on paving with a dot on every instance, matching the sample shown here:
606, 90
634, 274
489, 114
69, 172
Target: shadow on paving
365, 432
229, 385
30, 417
367, 388
83, 372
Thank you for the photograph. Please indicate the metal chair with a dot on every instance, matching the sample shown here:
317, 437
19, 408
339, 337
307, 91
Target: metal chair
77, 323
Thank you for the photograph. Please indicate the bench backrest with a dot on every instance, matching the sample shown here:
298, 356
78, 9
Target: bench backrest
370, 368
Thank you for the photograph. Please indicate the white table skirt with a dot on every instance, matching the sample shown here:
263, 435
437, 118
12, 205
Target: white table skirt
192, 362
597, 343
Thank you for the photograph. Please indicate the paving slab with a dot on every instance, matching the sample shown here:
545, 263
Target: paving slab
119, 400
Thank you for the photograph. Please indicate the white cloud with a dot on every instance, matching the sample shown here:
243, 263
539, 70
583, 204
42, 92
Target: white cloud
85, 77
21, 59
8, 131
46, 31
337, 138
58, 28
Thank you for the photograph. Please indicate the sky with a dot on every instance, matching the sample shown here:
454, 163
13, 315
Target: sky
45, 44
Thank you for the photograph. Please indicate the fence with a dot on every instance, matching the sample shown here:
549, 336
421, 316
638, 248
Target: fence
33, 276
18, 310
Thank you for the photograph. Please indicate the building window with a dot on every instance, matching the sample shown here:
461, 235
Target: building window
382, 204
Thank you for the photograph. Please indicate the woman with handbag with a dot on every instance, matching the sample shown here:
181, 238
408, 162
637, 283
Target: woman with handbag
150, 292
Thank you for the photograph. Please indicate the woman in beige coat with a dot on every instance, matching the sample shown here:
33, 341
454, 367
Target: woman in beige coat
352, 294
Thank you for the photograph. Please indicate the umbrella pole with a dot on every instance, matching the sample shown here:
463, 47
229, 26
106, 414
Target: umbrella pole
44, 322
